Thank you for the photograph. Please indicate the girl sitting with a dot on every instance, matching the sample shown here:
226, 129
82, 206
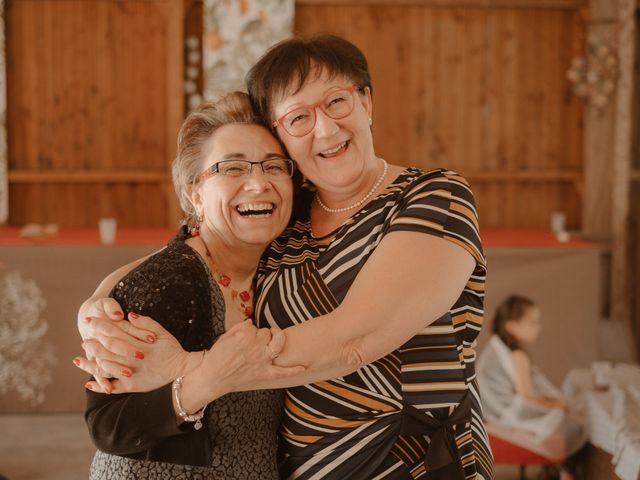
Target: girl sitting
519, 402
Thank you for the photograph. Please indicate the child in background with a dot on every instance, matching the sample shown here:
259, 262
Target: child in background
517, 399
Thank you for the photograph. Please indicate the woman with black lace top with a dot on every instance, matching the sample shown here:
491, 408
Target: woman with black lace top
235, 186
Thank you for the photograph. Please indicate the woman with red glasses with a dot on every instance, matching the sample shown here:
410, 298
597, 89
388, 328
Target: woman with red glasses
377, 283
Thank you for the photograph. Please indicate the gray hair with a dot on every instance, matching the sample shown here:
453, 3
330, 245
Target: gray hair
194, 137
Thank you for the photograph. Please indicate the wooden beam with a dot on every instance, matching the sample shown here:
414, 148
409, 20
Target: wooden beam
79, 176
599, 127
175, 94
564, 4
622, 141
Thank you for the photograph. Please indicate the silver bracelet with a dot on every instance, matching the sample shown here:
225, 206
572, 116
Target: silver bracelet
182, 413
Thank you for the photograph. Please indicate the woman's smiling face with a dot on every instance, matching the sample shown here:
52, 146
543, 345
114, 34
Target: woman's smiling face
251, 209
336, 152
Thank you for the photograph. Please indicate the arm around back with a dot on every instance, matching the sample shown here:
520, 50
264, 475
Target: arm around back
97, 304
422, 268
130, 423
172, 286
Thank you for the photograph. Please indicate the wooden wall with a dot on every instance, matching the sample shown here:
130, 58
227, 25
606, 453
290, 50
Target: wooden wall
634, 200
94, 105
481, 90
95, 101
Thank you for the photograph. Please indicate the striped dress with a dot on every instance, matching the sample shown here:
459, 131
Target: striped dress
398, 417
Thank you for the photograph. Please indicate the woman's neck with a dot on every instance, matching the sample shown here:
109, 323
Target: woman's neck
237, 262
345, 197
324, 222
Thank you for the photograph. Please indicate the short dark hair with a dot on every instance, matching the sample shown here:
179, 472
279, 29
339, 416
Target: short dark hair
289, 63
511, 309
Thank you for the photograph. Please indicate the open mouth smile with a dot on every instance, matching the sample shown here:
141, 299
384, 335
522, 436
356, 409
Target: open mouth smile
337, 150
256, 210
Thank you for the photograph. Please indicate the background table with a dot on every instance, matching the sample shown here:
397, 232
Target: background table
612, 418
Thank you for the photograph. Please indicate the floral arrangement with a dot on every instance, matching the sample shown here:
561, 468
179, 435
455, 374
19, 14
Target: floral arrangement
594, 74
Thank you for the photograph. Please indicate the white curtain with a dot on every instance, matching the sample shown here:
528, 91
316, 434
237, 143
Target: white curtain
4, 187
236, 34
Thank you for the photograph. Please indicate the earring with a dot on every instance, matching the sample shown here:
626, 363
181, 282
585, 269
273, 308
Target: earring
195, 228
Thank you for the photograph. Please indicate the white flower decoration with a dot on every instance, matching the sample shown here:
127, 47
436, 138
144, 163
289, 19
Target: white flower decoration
25, 356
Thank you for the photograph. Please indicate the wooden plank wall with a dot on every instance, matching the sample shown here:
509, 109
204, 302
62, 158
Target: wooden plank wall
481, 90
95, 102
634, 221
634, 261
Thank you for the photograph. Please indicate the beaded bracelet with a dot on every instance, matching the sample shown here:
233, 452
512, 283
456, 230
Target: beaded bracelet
182, 413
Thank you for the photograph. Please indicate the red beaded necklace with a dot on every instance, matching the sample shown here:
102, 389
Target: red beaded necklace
241, 299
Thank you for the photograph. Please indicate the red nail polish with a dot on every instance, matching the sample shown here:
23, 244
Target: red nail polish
151, 338
133, 315
76, 362
139, 355
126, 373
118, 313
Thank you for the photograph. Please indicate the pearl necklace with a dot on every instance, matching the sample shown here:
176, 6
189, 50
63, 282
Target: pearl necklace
359, 202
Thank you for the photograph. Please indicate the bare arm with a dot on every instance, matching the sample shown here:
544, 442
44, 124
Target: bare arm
409, 281
524, 388
423, 277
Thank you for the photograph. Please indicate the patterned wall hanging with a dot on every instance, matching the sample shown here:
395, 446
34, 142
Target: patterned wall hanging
26, 356
594, 74
4, 187
236, 34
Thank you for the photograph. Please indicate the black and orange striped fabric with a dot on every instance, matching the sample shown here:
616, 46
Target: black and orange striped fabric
350, 427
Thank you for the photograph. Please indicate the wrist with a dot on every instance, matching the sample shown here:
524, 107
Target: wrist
192, 361
186, 363
212, 382
196, 391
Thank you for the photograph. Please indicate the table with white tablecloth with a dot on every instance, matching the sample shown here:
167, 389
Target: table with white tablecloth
610, 404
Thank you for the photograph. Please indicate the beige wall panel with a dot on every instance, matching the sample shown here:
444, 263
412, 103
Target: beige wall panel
545, 275
84, 267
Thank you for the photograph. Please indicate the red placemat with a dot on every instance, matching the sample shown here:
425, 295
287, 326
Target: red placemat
497, 237
160, 236
89, 236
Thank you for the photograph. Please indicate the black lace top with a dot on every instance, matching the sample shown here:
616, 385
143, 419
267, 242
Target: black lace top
138, 432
